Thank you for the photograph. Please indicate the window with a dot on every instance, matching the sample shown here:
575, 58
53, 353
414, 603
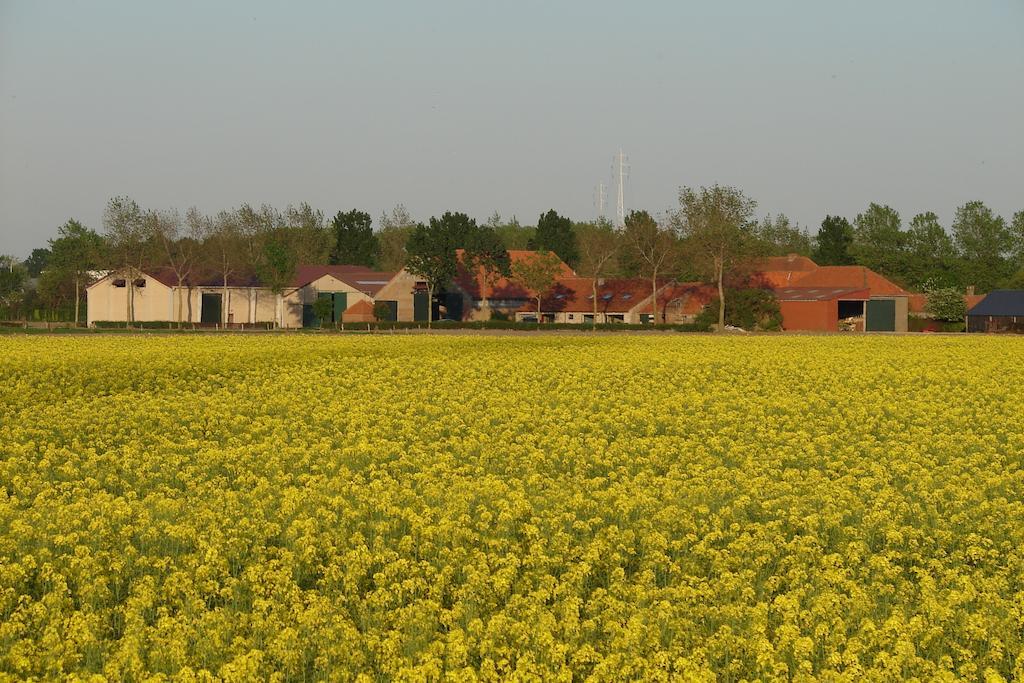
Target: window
141, 282
120, 283
627, 297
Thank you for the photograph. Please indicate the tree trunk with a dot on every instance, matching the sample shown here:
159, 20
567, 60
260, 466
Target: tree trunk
721, 297
539, 321
593, 286
654, 297
77, 297
224, 298
430, 305
177, 315
131, 299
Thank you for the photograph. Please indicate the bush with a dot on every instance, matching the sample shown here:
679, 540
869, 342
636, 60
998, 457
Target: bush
946, 303
751, 309
323, 309
381, 310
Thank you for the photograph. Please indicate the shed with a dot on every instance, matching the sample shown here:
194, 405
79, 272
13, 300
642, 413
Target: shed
1000, 311
819, 309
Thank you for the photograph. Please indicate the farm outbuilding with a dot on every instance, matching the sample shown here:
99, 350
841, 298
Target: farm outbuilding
1000, 311
154, 296
820, 309
885, 308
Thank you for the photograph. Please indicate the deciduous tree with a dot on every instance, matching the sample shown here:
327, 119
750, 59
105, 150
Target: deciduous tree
599, 246
354, 240
224, 251
782, 237
832, 243
656, 249
12, 281
75, 252
124, 226
984, 243
538, 274
430, 254
879, 241
393, 233
931, 256
718, 226
555, 233
37, 261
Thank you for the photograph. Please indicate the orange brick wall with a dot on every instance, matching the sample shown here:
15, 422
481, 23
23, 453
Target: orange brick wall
817, 316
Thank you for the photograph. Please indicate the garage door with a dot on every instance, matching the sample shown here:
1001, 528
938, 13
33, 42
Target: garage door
880, 315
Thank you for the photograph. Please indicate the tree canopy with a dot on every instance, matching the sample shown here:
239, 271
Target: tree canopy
354, 241
555, 233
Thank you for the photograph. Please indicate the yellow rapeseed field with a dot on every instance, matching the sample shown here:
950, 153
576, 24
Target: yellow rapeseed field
303, 507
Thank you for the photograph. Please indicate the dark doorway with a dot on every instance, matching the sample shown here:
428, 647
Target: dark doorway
210, 313
850, 309
420, 305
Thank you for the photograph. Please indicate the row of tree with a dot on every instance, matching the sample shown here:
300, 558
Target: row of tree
711, 236
982, 249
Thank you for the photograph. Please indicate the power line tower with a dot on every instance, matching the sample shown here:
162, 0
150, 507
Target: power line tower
620, 169
600, 197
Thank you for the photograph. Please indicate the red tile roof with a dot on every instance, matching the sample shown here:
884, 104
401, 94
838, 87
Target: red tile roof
477, 286
850, 277
781, 271
574, 295
360, 278
694, 296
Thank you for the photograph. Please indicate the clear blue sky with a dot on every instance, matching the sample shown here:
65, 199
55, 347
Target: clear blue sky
811, 107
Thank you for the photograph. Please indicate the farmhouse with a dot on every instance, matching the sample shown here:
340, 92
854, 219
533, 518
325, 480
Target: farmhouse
1000, 311
475, 294
624, 300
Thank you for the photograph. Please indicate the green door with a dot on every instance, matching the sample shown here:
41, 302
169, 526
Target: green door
340, 304
420, 306
309, 317
453, 306
323, 295
880, 315
210, 311
392, 315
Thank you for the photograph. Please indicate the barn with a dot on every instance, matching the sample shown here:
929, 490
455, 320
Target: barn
1000, 311
833, 298
821, 309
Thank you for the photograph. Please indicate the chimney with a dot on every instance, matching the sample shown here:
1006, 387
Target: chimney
970, 290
